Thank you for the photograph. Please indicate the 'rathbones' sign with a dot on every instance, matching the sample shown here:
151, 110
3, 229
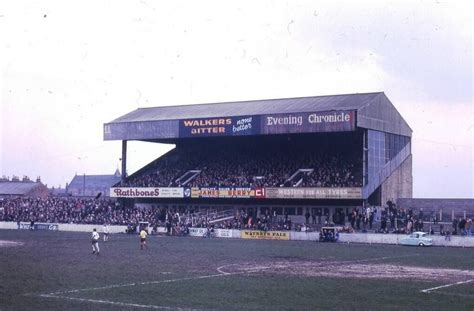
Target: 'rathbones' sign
147, 192
328, 121
229, 126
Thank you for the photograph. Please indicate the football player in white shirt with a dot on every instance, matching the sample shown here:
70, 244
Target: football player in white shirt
105, 231
95, 242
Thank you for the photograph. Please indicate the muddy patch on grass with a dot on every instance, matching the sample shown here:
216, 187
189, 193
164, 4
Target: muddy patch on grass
351, 270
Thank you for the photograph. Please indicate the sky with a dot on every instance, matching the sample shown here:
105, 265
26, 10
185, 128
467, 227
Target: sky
68, 67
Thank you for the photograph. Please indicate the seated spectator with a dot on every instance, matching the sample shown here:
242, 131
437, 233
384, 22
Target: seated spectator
217, 166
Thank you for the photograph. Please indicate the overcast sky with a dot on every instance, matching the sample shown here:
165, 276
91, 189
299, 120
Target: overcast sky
67, 67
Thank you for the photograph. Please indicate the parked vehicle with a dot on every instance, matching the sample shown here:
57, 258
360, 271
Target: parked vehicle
417, 239
328, 234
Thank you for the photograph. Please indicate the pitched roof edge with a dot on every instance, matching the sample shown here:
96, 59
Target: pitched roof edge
256, 100
398, 112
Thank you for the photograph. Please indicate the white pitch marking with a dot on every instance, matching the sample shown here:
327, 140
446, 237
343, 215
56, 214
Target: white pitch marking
219, 269
377, 258
57, 295
256, 269
4, 243
116, 303
141, 283
222, 272
447, 285
91, 288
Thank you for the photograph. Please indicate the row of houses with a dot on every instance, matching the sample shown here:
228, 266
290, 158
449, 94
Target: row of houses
80, 186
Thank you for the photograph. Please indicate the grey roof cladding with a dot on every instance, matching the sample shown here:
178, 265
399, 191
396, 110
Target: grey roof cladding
253, 107
17, 188
162, 124
93, 181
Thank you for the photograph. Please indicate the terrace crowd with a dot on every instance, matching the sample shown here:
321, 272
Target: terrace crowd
389, 219
246, 166
72, 210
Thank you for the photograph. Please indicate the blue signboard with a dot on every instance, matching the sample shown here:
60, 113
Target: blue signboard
227, 126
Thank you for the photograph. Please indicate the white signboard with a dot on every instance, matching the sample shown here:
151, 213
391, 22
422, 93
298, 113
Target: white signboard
149, 192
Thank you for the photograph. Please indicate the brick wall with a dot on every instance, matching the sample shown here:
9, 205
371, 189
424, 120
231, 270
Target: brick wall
446, 206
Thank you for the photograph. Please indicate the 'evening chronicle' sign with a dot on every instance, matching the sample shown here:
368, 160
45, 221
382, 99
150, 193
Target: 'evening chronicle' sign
146, 192
229, 126
308, 122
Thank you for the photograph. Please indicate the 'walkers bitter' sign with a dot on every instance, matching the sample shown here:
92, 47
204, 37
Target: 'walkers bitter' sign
231, 126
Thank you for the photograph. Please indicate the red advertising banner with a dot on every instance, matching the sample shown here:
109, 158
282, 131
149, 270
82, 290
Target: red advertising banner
222, 193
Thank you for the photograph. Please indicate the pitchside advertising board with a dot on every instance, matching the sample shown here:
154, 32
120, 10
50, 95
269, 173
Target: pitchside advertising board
265, 235
38, 226
238, 193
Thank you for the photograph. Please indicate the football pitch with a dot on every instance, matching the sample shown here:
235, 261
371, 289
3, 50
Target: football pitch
47, 270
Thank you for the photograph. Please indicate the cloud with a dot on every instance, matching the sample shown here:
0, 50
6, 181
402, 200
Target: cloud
88, 63
442, 147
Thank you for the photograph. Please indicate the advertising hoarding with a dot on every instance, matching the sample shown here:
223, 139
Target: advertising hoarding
149, 192
38, 226
225, 126
215, 192
313, 193
265, 235
308, 122
237, 193
299, 122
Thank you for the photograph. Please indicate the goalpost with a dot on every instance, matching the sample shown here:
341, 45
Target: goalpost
143, 225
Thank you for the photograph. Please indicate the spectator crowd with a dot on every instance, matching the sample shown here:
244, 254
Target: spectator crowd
178, 219
249, 165
72, 210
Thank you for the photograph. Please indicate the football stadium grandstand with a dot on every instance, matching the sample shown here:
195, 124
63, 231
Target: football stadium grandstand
282, 164
322, 155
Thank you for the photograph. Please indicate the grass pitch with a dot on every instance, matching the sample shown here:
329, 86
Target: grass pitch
57, 271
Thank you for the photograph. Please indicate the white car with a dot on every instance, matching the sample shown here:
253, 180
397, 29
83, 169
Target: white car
417, 239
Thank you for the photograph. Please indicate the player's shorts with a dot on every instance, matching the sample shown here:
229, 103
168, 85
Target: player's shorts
94, 242
142, 240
